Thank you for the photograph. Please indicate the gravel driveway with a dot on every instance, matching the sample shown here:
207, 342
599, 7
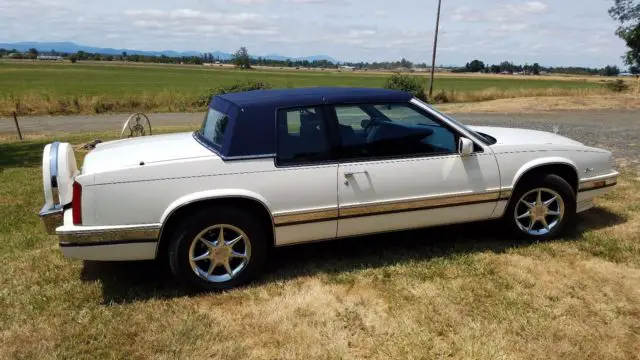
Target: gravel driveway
618, 131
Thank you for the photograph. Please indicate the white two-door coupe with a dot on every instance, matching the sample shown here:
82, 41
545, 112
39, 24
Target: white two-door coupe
282, 167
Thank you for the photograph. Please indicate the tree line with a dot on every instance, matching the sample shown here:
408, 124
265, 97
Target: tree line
507, 67
242, 59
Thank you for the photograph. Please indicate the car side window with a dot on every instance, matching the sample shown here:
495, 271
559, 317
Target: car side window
391, 130
302, 136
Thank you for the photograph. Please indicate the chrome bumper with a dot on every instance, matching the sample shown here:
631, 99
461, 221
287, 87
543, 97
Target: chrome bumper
594, 187
599, 182
57, 221
108, 236
52, 218
72, 235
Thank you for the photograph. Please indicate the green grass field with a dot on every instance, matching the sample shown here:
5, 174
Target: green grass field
460, 292
122, 81
58, 88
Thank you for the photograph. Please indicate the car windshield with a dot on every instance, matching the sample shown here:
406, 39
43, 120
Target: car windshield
479, 136
214, 127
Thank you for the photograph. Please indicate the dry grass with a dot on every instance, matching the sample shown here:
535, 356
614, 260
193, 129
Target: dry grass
495, 93
548, 104
457, 292
34, 103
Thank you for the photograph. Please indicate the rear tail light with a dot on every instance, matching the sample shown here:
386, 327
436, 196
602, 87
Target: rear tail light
76, 203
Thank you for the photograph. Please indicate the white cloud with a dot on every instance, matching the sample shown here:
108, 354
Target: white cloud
509, 12
492, 30
535, 7
249, 2
192, 22
380, 13
513, 27
310, 1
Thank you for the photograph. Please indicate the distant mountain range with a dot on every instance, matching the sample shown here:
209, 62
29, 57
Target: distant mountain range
69, 47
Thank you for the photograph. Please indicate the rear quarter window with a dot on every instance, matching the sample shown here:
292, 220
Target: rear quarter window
214, 127
302, 136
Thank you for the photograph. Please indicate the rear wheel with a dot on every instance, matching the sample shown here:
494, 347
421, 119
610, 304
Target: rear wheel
541, 208
218, 249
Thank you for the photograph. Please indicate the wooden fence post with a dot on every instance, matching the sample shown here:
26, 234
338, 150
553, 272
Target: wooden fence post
15, 120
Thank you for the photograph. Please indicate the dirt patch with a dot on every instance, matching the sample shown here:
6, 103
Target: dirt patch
548, 104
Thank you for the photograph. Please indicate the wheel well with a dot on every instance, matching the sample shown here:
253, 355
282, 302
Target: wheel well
254, 207
567, 172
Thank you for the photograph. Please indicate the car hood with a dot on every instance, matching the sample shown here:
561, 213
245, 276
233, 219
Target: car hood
513, 136
148, 150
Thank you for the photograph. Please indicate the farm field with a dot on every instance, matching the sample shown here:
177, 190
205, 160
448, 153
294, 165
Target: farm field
456, 292
65, 88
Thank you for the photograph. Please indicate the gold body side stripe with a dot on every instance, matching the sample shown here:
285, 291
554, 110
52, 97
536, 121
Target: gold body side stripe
371, 209
421, 204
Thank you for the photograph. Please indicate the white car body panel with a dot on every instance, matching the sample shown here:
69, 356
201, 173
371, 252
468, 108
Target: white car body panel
135, 185
128, 153
406, 180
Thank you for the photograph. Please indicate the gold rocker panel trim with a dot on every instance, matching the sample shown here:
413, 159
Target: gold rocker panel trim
389, 207
305, 217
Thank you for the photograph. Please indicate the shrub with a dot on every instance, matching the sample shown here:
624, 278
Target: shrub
240, 86
407, 83
441, 97
617, 85
99, 105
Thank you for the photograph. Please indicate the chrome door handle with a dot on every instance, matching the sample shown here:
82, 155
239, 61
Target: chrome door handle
350, 174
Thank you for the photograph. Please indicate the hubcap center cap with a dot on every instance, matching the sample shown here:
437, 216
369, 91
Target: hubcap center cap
538, 212
221, 254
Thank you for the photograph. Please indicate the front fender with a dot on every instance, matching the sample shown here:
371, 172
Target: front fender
213, 194
555, 160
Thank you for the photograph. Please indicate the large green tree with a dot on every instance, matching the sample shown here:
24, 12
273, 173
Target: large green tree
32, 53
241, 58
610, 70
475, 66
627, 13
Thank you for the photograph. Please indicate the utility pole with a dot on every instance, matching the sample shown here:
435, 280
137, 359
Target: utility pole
435, 47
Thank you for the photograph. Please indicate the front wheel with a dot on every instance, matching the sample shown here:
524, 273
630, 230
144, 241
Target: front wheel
218, 249
540, 209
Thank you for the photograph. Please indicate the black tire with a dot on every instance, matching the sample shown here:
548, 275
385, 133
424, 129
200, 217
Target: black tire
542, 181
194, 224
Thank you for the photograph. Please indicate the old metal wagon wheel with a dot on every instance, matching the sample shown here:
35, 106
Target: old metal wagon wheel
133, 126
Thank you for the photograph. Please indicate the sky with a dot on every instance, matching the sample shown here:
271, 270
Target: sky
559, 32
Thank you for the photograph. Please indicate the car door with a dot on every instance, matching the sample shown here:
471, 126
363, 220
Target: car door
400, 168
306, 176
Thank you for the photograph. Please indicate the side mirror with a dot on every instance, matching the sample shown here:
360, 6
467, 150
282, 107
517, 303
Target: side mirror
465, 147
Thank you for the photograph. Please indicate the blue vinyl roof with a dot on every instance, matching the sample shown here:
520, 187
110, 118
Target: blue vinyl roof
313, 96
251, 130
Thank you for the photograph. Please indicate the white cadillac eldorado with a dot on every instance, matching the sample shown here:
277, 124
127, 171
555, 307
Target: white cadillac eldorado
283, 167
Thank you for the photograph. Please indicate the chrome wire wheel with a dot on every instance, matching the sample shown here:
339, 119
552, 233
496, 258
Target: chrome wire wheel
219, 253
539, 211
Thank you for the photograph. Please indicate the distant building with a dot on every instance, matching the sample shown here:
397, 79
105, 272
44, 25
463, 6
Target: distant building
49, 57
